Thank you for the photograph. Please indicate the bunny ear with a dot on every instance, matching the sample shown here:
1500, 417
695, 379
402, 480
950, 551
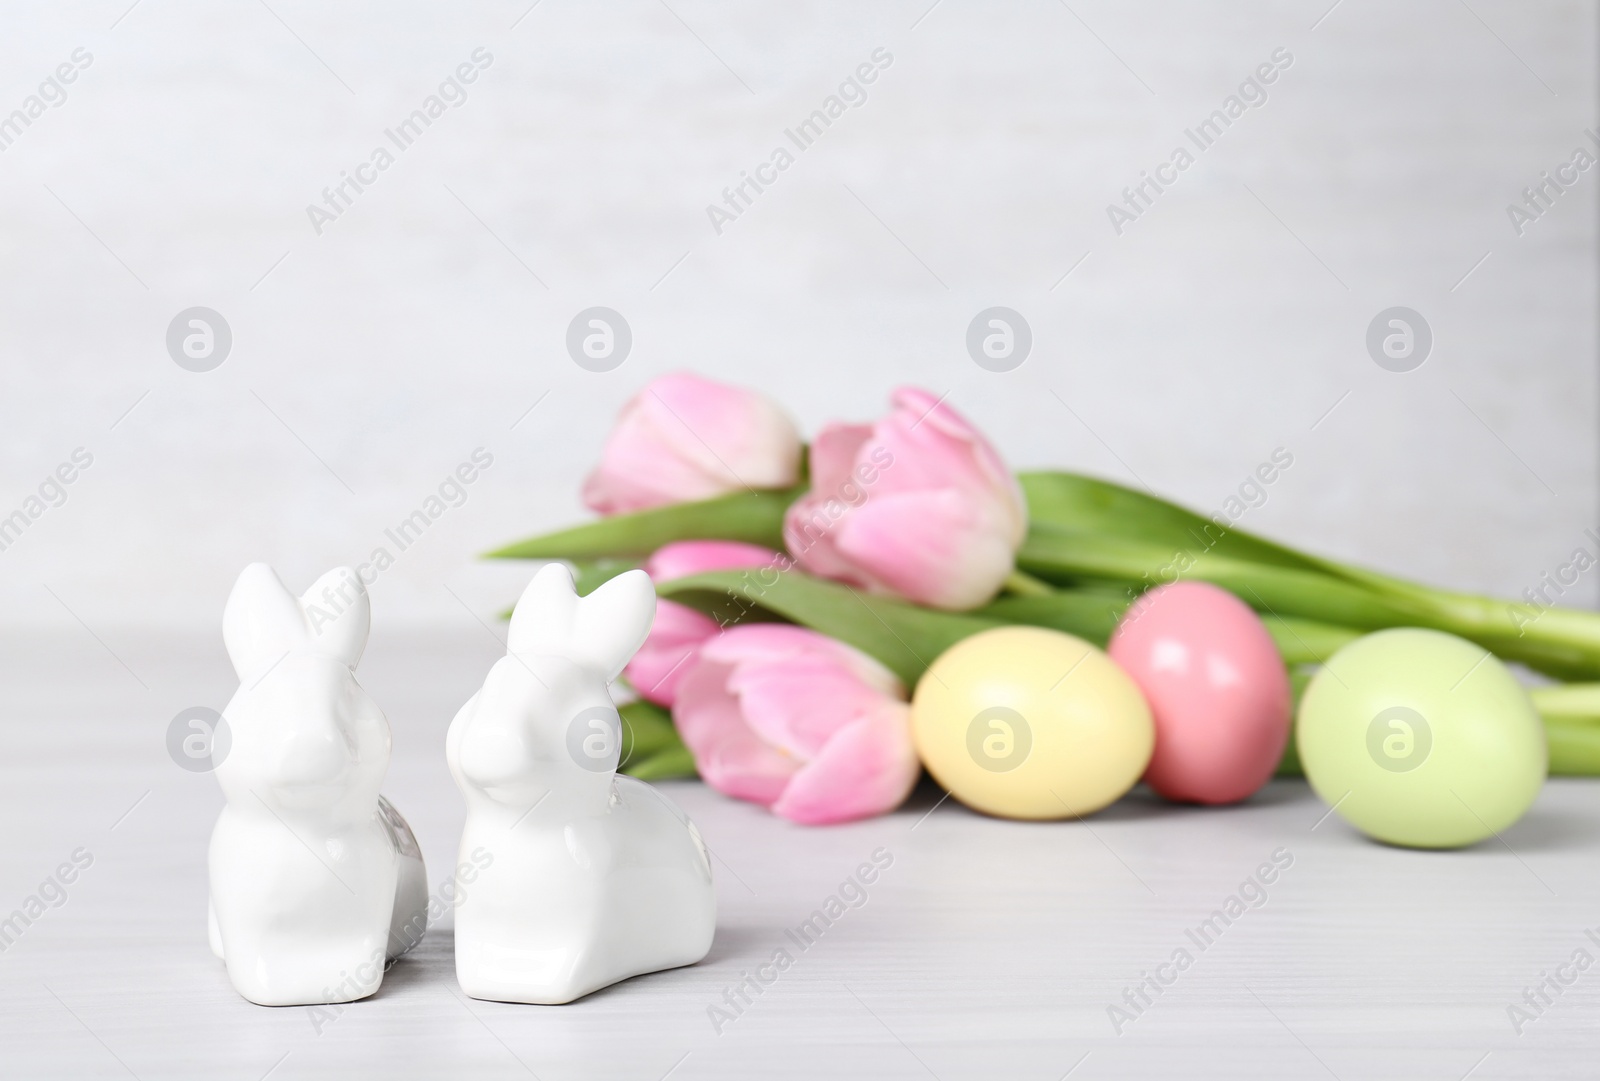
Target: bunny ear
602, 630
614, 621
261, 621
339, 614
542, 622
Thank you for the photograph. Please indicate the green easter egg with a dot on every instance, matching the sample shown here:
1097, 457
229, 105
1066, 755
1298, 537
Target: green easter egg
1420, 738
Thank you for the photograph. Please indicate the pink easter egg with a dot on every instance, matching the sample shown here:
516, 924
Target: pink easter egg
1217, 688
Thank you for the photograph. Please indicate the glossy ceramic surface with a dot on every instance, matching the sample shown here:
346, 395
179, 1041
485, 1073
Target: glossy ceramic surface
586, 877
316, 881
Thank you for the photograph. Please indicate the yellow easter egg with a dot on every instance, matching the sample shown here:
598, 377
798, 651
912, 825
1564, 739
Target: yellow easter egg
1025, 722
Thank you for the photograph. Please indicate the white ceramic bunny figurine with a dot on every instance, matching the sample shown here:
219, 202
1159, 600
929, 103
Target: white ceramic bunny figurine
316, 881
590, 877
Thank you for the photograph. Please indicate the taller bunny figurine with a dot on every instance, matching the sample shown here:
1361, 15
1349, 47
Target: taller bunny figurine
589, 877
316, 881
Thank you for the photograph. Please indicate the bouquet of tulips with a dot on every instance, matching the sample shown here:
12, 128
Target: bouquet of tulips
806, 589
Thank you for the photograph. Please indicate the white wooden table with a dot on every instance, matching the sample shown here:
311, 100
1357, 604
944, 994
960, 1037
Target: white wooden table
987, 949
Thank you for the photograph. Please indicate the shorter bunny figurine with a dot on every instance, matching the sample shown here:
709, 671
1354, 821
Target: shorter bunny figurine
316, 881
589, 877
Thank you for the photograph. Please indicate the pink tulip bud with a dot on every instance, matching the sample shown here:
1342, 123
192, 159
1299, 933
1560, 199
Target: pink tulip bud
805, 725
660, 663
685, 438
679, 630
680, 559
918, 504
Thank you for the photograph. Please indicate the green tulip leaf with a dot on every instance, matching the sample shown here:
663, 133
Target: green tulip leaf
1090, 615
1057, 554
1082, 504
902, 636
590, 574
646, 731
670, 764
651, 747
752, 517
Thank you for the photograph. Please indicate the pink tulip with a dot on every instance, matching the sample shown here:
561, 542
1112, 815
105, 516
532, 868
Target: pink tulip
805, 725
680, 559
684, 438
660, 663
918, 504
679, 630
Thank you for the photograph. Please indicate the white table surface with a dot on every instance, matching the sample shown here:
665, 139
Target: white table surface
988, 949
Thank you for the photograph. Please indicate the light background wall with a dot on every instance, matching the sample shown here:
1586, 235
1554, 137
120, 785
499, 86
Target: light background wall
370, 360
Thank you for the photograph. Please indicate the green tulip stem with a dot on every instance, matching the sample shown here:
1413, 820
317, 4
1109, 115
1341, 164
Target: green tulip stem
1569, 703
1574, 749
1022, 584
